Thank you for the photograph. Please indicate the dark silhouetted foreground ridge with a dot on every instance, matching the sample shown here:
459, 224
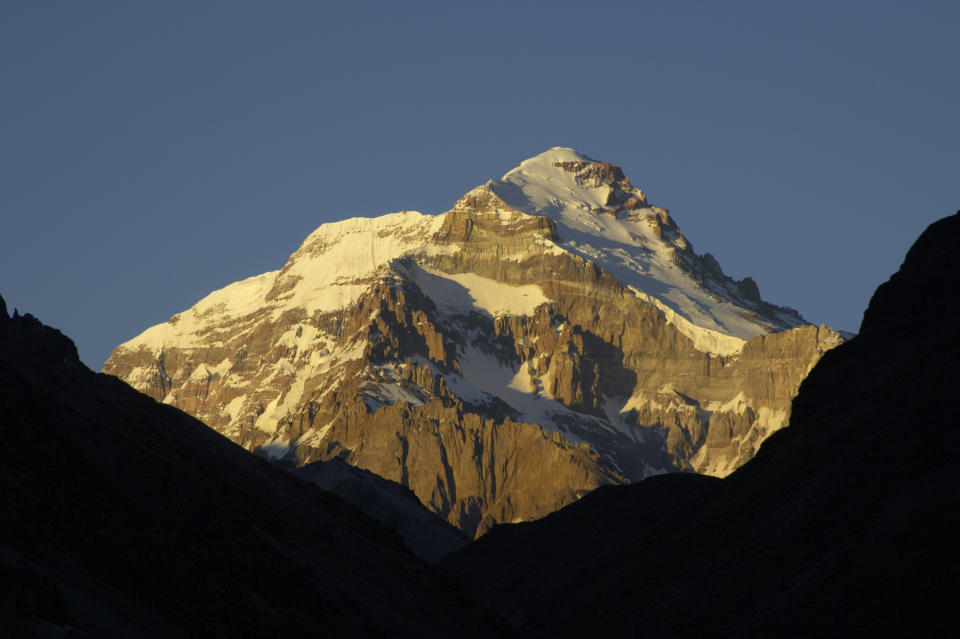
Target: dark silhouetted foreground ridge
122, 517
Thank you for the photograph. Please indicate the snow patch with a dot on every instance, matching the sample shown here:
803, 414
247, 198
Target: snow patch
704, 339
234, 407
276, 449
486, 377
333, 266
233, 301
460, 293
523, 381
739, 405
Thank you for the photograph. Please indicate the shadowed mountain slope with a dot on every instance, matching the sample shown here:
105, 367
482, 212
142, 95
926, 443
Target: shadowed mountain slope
844, 524
122, 517
427, 536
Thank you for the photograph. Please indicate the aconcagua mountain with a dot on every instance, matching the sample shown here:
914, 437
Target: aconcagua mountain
550, 333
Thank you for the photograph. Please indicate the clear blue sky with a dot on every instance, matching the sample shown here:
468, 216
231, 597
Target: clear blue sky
153, 152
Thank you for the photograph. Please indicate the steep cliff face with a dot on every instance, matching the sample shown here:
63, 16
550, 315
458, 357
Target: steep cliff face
551, 333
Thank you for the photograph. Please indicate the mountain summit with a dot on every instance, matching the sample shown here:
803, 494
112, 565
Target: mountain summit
603, 218
550, 319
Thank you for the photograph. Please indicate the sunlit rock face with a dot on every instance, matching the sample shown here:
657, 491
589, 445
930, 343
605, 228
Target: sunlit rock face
550, 333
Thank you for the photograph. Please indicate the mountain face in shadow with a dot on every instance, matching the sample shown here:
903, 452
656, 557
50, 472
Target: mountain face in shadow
844, 524
122, 517
388, 502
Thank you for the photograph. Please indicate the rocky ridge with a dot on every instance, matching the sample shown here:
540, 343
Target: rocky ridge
551, 319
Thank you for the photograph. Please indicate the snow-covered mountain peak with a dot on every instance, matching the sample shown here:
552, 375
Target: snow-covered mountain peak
603, 218
549, 319
558, 203
550, 157
562, 176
